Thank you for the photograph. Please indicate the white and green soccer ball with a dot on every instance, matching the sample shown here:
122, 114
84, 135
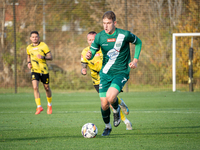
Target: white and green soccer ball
89, 130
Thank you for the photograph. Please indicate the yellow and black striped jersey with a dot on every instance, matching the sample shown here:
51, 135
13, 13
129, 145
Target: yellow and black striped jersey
95, 64
38, 65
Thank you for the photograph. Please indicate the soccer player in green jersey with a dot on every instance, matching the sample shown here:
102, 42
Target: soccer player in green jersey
95, 66
114, 43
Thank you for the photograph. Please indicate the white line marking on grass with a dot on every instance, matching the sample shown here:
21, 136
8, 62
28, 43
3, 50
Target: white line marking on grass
131, 111
172, 112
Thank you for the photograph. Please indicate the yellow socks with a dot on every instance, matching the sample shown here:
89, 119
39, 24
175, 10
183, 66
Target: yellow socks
49, 99
119, 100
123, 117
38, 102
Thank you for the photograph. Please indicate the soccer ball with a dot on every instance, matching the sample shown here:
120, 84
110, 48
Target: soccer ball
89, 130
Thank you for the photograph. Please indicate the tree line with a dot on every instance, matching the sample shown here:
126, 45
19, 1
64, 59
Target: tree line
67, 23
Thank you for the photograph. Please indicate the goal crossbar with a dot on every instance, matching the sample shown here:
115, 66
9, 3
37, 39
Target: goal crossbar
174, 55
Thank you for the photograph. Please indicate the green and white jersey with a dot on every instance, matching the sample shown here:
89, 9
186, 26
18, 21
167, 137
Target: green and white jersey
116, 51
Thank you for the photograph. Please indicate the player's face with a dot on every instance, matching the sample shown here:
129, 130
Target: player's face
90, 38
34, 38
109, 25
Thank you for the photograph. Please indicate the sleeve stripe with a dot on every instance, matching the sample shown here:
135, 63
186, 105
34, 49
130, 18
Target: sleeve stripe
135, 40
94, 48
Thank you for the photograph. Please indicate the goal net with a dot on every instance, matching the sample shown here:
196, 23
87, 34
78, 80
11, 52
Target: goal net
174, 55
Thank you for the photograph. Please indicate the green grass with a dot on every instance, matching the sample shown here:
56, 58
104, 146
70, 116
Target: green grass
161, 121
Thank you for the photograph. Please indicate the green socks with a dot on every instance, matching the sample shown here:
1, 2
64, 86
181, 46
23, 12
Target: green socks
106, 115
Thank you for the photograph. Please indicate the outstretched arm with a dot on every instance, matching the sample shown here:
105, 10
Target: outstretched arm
138, 46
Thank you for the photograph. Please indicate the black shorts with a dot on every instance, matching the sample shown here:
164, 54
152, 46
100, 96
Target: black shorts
38, 76
96, 88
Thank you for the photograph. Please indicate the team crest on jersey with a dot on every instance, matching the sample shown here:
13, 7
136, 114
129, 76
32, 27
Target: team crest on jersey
111, 40
35, 48
97, 54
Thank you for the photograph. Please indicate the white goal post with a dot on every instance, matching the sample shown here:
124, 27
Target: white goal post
174, 55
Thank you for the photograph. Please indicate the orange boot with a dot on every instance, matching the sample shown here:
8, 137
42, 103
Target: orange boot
38, 110
49, 109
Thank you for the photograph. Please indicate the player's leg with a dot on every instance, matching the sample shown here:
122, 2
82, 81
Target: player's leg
123, 106
125, 109
45, 81
124, 119
105, 109
49, 98
35, 83
116, 86
111, 96
128, 124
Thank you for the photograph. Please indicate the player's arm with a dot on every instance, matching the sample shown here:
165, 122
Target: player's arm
84, 68
29, 61
138, 46
47, 57
93, 49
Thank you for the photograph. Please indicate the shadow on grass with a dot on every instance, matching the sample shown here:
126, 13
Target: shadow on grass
113, 135
142, 132
38, 138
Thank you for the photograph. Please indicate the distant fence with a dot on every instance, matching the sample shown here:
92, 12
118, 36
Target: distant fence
64, 24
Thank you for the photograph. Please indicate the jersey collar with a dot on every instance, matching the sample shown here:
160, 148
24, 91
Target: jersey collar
36, 45
113, 33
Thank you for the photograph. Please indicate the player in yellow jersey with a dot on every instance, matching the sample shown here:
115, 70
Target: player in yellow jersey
37, 54
95, 66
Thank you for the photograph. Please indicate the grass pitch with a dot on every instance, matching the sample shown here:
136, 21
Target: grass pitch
161, 120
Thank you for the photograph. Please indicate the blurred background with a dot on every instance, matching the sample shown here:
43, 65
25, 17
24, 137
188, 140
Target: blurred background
64, 24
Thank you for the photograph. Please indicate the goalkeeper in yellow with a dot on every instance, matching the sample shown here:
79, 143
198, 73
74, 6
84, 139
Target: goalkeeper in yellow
95, 66
37, 54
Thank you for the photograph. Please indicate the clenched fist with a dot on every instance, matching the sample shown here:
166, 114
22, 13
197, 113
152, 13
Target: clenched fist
88, 55
133, 64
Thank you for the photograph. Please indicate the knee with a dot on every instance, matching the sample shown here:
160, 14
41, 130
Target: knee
110, 98
47, 88
35, 88
104, 105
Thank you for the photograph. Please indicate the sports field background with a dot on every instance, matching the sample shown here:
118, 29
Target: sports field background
161, 120
64, 24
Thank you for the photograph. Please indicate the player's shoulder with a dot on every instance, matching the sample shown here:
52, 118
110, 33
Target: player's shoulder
29, 46
122, 31
42, 44
128, 34
85, 50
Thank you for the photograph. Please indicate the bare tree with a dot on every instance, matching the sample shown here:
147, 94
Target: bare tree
174, 11
3, 24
